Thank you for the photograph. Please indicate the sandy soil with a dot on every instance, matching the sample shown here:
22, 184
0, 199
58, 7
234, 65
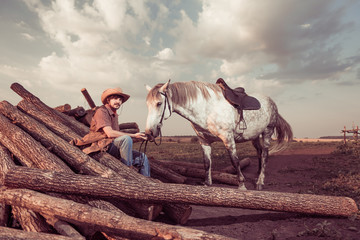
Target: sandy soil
298, 171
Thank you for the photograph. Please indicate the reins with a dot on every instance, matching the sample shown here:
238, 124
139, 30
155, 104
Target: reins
166, 102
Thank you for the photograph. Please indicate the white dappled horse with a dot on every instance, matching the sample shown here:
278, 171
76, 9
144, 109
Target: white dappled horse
214, 118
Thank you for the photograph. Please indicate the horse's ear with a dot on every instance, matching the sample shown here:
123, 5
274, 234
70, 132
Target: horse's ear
148, 87
165, 87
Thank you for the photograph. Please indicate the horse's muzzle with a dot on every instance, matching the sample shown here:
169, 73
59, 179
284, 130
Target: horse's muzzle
150, 136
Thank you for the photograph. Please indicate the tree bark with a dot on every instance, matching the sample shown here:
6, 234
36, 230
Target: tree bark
73, 155
25, 147
28, 220
63, 227
200, 173
166, 173
63, 108
6, 163
15, 234
81, 129
76, 112
129, 125
103, 157
105, 221
88, 98
179, 193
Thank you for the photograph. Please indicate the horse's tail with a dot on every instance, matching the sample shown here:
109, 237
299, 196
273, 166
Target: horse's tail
284, 135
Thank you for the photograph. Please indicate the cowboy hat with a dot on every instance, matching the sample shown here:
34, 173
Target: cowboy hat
114, 91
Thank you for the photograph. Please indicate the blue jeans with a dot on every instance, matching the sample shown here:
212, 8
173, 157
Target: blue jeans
122, 148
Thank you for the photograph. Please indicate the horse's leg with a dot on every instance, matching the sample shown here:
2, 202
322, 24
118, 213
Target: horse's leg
231, 147
264, 156
256, 143
207, 162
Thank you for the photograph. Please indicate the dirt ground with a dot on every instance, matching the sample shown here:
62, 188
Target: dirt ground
297, 171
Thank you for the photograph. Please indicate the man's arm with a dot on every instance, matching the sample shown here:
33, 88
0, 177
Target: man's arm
111, 133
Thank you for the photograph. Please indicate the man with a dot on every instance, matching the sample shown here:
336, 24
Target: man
105, 135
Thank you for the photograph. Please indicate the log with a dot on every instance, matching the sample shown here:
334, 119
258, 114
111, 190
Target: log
200, 173
43, 159
104, 158
23, 145
69, 153
63, 108
43, 180
28, 220
77, 159
81, 129
76, 112
47, 120
171, 210
86, 119
245, 162
63, 227
15, 234
230, 169
102, 220
6, 163
88, 98
130, 130
129, 125
168, 174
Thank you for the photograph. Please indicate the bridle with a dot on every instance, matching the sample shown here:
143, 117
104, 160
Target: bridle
159, 125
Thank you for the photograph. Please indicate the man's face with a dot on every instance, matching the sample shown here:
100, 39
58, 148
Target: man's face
115, 102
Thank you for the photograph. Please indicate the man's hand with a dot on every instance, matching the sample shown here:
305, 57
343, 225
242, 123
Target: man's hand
140, 135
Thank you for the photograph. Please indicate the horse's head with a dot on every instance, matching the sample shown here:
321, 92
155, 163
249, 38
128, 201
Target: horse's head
159, 106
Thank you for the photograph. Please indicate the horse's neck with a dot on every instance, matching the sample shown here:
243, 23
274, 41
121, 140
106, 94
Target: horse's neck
194, 112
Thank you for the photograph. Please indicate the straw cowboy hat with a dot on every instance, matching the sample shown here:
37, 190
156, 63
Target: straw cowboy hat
113, 91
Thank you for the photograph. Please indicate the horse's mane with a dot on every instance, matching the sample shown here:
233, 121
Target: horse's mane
183, 92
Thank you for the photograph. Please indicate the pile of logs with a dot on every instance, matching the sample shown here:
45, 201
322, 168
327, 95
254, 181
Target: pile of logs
50, 189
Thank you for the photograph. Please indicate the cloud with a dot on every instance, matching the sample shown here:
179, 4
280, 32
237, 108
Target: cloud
165, 54
28, 36
299, 37
127, 42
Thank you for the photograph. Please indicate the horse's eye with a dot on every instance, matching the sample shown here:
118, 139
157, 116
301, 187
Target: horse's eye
158, 104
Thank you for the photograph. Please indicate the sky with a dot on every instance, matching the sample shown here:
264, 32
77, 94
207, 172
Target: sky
305, 55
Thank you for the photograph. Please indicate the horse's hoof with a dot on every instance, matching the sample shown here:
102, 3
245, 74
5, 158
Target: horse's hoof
259, 187
242, 187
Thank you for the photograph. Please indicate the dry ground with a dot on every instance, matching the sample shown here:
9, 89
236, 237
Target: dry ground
302, 170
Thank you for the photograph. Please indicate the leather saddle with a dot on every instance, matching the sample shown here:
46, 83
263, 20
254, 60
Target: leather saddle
239, 100
237, 97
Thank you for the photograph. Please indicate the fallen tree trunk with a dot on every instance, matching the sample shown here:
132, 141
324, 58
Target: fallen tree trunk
76, 112
63, 108
15, 234
165, 173
73, 155
29, 221
79, 128
200, 173
230, 169
129, 125
104, 158
102, 220
23, 145
179, 193
63, 227
88, 98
